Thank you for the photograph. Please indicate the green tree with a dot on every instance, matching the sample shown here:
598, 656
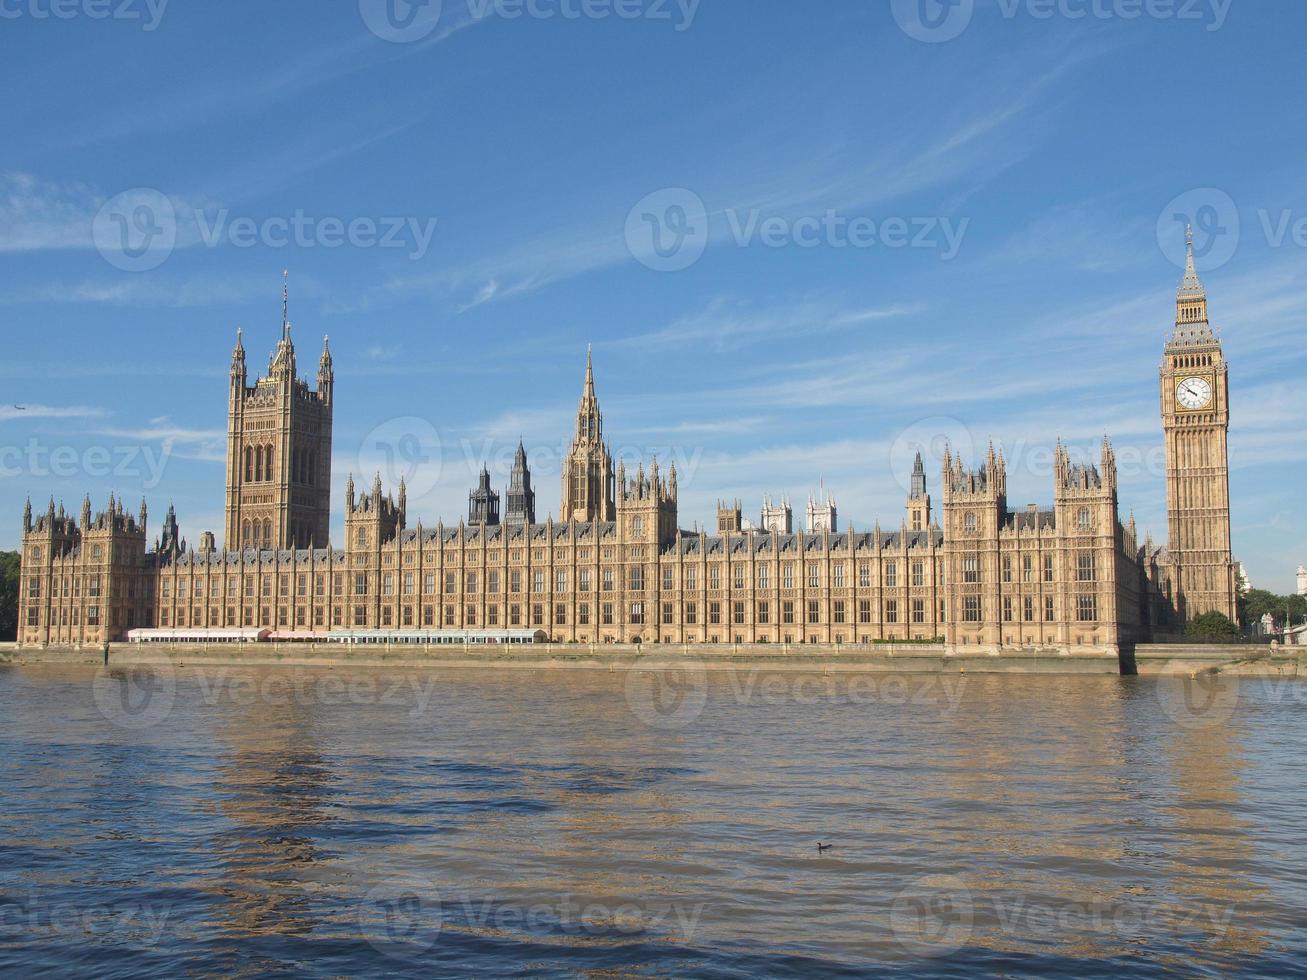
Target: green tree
1258, 602
9, 568
1213, 627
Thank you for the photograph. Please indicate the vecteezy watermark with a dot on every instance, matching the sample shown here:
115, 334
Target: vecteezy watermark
135, 698
1195, 697
403, 450
130, 923
144, 463
406, 21
1216, 225
666, 694
138, 230
670, 693
401, 917
138, 698
937, 21
1211, 217
933, 437
937, 915
148, 13
670, 229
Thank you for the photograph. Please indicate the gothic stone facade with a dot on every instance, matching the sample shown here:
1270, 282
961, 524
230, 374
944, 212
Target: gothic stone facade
619, 568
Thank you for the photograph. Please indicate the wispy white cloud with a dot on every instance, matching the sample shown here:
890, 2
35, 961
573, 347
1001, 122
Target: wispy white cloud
28, 412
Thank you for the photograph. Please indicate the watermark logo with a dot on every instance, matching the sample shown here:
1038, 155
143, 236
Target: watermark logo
135, 698
401, 917
136, 231
1197, 698
404, 449
931, 438
936, 21
667, 231
147, 13
304, 230
933, 21
664, 694
401, 21
933, 916
121, 463
1214, 218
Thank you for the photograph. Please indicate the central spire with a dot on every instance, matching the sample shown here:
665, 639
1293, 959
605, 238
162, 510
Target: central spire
589, 420
1191, 324
285, 306
1191, 286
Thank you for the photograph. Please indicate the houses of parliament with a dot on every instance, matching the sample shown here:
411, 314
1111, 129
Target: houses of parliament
618, 567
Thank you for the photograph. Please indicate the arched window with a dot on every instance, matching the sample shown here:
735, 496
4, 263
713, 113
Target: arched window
362, 537
1083, 521
245, 530
258, 464
267, 533
969, 522
249, 465
269, 464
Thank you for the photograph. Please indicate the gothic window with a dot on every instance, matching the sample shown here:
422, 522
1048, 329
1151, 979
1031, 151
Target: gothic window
969, 523
637, 526
1048, 568
1083, 520
249, 465
268, 467
971, 609
891, 574
1028, 609
1085, 567
1087, 608
918, 573
764, 576
891, 611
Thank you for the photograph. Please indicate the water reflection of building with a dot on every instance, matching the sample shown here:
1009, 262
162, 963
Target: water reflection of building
1212, 846
272, 790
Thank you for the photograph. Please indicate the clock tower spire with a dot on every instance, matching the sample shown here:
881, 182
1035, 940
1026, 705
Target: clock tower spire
1196, 423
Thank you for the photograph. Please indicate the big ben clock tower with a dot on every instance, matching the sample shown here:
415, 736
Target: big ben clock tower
1196, 421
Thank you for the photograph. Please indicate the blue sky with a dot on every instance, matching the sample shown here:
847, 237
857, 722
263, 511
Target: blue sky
902, 240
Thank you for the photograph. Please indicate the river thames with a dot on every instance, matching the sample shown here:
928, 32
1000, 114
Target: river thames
582, 823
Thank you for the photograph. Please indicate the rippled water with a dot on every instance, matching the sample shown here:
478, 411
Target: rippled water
494, 823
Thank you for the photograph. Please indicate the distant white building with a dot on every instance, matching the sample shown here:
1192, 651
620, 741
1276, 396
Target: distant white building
1241, 580
821, 514
1302, 581
777, 518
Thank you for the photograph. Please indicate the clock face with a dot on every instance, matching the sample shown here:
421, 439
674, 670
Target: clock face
1194, 393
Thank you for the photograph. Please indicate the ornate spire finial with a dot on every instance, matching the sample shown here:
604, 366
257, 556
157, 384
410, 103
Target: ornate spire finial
285, 304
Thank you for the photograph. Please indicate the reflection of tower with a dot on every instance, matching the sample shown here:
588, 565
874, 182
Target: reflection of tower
1210, 844
279, 450
1196, 422
483, 503
273, 792
589, 486
521, 498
